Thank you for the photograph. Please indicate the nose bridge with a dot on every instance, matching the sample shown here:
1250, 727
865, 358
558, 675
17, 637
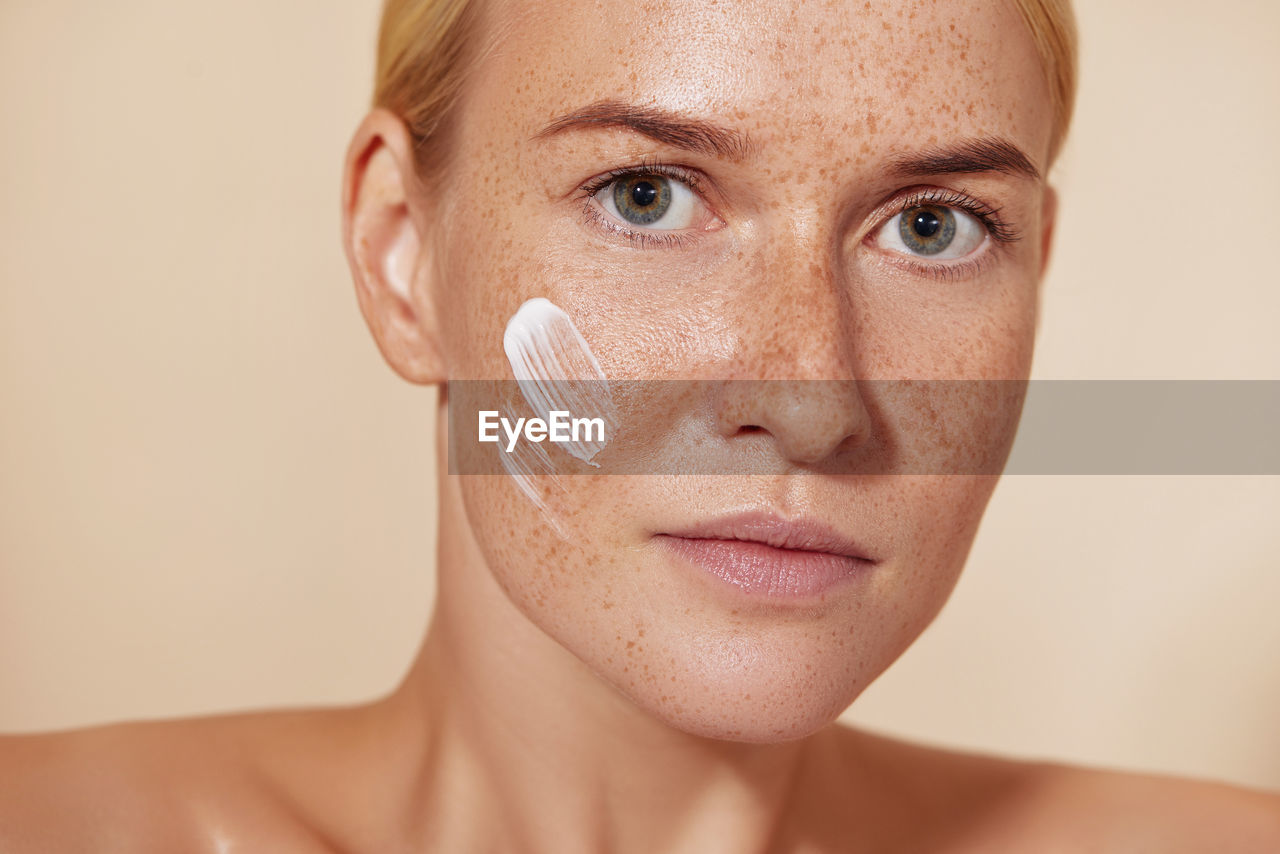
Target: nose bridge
797, 302
794, 377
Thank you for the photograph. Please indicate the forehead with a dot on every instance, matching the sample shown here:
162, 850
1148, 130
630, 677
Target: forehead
862, 76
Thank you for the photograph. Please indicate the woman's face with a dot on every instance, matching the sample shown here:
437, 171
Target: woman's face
814, 192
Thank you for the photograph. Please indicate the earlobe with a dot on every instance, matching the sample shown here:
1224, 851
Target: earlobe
386, 249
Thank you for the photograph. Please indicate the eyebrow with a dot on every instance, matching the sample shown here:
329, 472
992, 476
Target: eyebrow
665, 126
986, 154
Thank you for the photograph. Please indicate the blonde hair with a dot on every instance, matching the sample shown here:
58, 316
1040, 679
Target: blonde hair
426, 49
1053, 29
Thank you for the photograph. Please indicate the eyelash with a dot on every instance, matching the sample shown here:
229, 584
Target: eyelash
999, 230
988, 215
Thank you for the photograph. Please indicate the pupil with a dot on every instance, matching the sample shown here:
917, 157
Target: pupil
926, 224
644, 193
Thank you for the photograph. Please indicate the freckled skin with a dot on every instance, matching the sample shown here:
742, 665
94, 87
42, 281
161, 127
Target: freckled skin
585, 692
785, 284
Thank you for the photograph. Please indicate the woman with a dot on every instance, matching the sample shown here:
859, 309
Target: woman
769, 201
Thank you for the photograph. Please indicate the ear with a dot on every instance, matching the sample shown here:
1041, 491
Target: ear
1048, 220
384, 231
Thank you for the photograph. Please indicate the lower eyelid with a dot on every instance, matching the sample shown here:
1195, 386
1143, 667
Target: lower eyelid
602, 221
954, 269
967, 268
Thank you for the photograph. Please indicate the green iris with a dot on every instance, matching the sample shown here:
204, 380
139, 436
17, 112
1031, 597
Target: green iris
642, 199
927, 229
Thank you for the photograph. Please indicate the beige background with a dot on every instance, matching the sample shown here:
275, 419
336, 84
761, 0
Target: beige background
213, 494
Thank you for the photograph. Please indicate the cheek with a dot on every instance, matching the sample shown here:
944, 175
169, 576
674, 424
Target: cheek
983, 328
556, 560
486, 266
934, 521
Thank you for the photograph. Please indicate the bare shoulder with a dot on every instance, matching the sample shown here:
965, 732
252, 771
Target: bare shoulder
990, 803
198, 785
1129, 811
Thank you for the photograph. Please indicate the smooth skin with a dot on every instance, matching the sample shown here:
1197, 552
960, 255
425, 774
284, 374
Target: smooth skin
590, 693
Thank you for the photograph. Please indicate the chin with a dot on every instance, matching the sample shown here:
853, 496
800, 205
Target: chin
746, 689
737, 719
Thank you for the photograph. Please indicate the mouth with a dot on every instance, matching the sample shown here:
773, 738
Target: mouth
765, 555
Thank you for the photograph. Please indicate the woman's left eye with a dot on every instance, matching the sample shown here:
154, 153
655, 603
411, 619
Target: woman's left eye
649, 201
934, 232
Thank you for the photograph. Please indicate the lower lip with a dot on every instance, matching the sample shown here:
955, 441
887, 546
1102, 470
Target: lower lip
762, 570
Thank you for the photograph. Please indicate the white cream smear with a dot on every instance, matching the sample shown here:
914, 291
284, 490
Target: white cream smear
555, 371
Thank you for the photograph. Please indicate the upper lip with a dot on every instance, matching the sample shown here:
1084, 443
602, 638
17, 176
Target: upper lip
771, 529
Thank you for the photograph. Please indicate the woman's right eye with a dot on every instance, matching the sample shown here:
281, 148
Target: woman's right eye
649, 201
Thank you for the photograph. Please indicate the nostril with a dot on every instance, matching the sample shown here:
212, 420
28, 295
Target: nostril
807, 420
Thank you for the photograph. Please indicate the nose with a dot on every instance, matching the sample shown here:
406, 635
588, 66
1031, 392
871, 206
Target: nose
794, 374
809, 420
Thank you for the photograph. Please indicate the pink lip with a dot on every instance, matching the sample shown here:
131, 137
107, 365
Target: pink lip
766, 555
